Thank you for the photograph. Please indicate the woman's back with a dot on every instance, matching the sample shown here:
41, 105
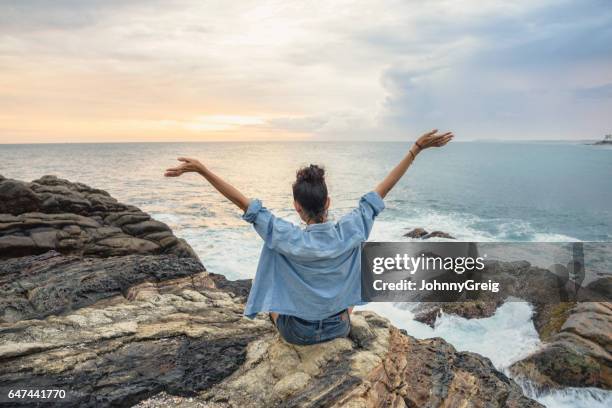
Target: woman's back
314, 272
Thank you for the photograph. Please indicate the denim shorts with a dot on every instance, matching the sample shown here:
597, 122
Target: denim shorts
304, 332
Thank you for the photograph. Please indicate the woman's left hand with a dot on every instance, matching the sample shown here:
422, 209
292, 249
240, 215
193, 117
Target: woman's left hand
433, 139
188, 166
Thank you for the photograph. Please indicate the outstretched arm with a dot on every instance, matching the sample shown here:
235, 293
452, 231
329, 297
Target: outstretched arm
225, 188
429, 139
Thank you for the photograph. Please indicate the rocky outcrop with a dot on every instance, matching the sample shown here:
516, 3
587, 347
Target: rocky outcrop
518, 279
577, 336
172, 328
578, 355
428, 312
423, 234
41, 285
180, 335
54, 214
376, 366
122, 322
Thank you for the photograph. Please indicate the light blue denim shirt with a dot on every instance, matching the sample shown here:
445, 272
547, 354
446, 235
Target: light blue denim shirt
314, 272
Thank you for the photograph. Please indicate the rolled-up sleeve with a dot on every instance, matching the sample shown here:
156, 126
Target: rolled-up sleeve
358, 223
374, 200
250, 215
277, 233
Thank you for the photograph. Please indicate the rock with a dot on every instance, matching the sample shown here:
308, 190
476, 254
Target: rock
147, 328
391, 370
577, 356
75, 219
126, 218
145, 228
423, 234
577, 336
516, 279
116, 352
37, 286
438, 234
601, 286
122, 246
548, 318
44, 238
428, 312
121, 312
416, 233
17, 197
17, 245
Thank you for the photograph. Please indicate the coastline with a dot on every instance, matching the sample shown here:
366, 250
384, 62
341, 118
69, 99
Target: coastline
161, 281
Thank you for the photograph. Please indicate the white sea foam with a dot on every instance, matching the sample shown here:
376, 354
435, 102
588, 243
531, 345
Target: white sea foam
505, 337
575, 398
458, 225
463, 226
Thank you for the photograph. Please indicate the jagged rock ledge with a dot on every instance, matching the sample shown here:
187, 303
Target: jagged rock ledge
54, 214
132, 322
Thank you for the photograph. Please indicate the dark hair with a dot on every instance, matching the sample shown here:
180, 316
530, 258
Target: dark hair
310, 191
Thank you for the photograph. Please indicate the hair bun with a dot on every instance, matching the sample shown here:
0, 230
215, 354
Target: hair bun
312, 173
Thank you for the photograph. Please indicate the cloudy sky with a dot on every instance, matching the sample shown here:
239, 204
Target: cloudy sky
129, 70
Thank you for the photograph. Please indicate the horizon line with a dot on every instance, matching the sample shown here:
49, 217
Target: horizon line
295, 141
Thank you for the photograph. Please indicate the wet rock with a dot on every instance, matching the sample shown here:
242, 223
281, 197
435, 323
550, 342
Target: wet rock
416, 233
428, 312
423, 234
516, 279
438, 234
577, 336
578, 355
548, 318
37, 286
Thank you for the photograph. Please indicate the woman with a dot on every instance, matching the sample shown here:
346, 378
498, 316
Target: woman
309, 279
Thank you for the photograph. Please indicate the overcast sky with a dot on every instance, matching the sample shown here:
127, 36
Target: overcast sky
130, 70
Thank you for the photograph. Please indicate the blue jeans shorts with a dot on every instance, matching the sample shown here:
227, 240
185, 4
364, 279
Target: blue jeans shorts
305, 332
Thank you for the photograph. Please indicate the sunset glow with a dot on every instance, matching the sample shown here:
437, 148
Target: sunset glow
268, 70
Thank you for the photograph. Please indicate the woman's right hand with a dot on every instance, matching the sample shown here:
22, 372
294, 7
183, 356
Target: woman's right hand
433, 139
187, 166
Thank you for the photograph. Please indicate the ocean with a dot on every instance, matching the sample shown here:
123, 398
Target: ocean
475, 191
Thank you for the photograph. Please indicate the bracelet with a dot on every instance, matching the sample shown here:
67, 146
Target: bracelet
418, 145
413, 156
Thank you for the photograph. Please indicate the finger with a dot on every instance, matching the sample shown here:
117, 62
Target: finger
445, 140
184, 159
178, 168
431, 132
437, 138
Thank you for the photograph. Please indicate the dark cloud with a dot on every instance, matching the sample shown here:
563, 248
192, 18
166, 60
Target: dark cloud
524, 78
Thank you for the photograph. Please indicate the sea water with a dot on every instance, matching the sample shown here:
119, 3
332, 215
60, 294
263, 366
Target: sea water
475, 191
